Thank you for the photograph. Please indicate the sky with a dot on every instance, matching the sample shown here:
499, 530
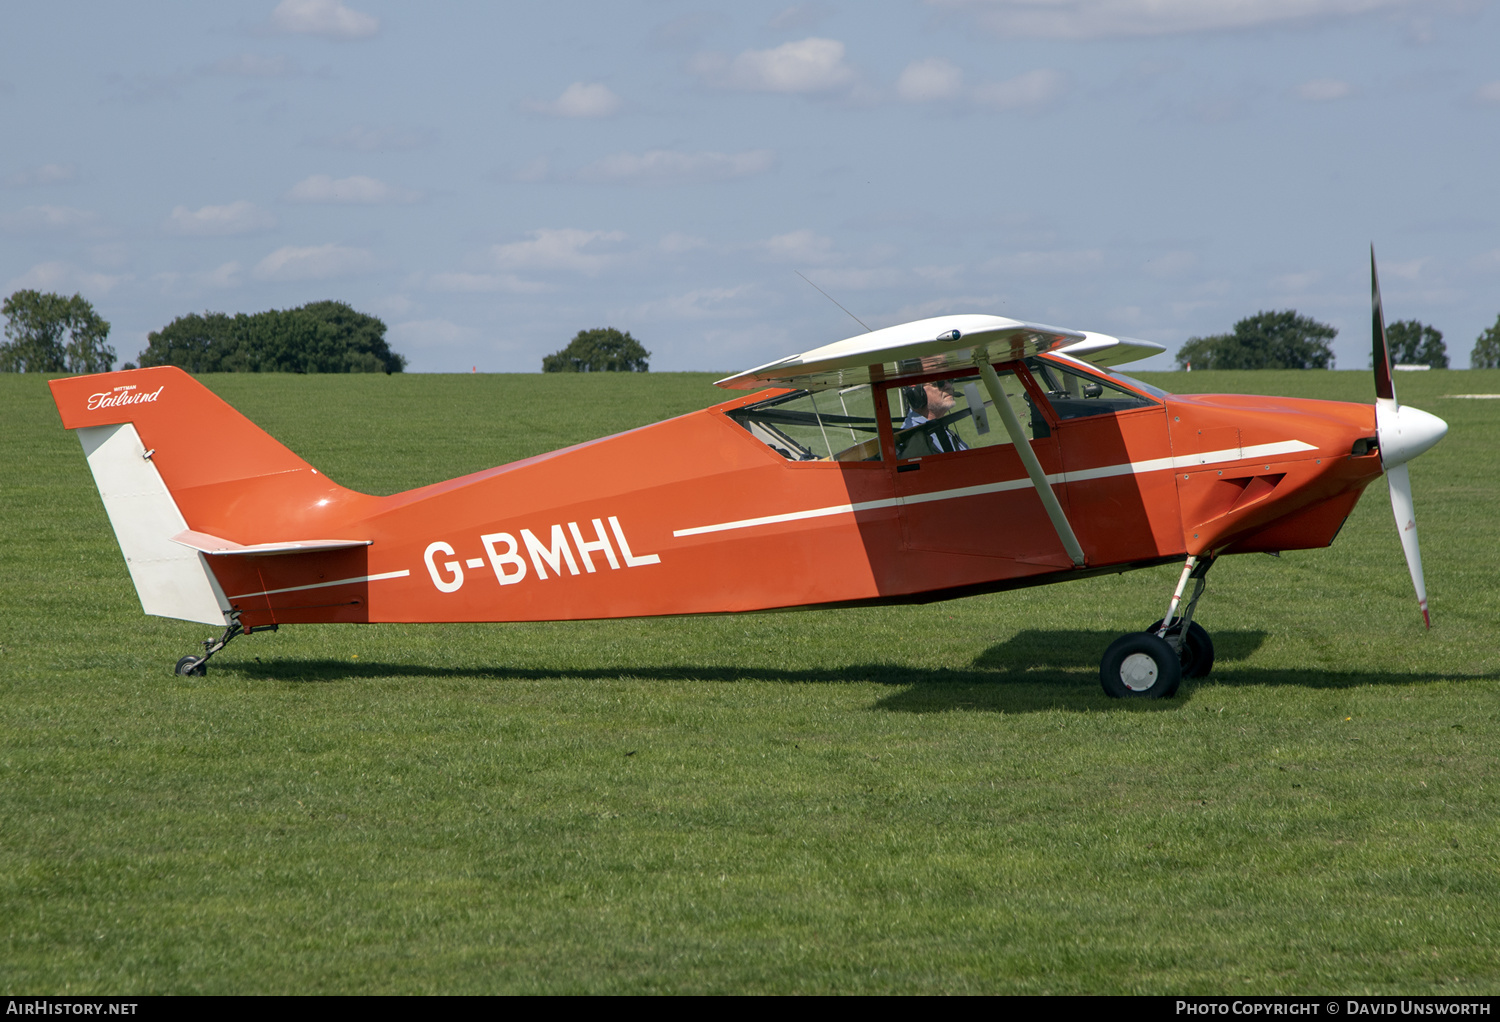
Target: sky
489, 179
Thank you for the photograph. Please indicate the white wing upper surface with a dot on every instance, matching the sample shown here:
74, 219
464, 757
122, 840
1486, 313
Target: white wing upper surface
933, 345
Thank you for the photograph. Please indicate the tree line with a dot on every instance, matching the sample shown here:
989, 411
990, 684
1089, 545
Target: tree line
52, 333
48, 333
1285, 340
319, 337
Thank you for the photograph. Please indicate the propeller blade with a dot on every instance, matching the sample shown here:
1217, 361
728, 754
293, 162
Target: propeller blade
1402, 433
1406, 526
1385, 389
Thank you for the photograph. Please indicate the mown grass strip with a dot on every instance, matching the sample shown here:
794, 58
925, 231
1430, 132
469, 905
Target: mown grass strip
898, 799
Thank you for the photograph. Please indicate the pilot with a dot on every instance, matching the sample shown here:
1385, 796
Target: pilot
925, 402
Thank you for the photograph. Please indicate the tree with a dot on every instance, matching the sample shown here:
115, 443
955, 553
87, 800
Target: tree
193, 342
1414, 343
35, 325
1486, 353
1266, 340
320, 337
604, 350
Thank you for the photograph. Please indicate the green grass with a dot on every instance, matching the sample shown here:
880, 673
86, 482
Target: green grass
934, 799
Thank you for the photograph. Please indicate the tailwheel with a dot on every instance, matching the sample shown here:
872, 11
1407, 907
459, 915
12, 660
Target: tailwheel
192, 666
1140, 666
1196, 649
197, 666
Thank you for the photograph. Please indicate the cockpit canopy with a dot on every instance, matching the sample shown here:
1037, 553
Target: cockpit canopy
944, 414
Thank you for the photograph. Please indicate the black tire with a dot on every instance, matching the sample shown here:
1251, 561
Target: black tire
1197, 651
1140, 666
192, 666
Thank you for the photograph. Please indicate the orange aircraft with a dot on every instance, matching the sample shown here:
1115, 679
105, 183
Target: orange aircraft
951, 456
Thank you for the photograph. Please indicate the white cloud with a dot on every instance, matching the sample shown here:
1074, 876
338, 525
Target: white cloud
1030, 90
1411, 269
379, 140
1296, 281
1486, 261
328, 18
64, 278
807, 66
686, 31
581, 99
239, 217
800, 16
675, 243
220, 278
668, 166
145, 86
482, 283
857, 279
1171, 264
942, 307
924, 81
357, 190
431, 333
1322, 90
801, 246
1489, 92
703, 303
46, 174
49, 219
315, 262
533, 171
110, 255
1048, 263
557, 248
1093, 19
254, 65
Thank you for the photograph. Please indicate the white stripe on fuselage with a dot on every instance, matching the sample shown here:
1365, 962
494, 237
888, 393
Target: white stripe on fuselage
1225, 456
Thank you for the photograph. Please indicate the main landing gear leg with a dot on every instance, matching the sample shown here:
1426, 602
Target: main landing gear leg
1152, 664
197, 666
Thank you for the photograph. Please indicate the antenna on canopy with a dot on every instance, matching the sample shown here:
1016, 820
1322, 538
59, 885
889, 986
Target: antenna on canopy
834, 300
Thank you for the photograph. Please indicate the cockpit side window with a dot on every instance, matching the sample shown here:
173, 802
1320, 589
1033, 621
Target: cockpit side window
957, 414
1074, 394
822, 425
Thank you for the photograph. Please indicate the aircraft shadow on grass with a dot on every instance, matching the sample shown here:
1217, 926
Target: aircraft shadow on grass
1034, 670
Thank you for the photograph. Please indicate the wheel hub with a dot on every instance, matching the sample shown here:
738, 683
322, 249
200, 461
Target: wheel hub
1138, 672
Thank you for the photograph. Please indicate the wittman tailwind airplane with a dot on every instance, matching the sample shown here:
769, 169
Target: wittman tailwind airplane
950, 456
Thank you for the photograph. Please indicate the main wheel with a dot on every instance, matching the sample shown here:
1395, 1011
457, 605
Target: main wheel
192, 666
1140, 666
1197, 650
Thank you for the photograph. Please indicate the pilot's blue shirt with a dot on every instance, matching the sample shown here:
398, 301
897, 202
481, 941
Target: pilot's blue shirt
937, 441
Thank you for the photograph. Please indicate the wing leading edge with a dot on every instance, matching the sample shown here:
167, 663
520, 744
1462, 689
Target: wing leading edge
933, 345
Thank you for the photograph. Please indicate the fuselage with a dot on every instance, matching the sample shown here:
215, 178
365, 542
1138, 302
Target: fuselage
698, 514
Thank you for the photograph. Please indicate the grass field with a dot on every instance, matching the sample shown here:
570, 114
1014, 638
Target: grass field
934, 799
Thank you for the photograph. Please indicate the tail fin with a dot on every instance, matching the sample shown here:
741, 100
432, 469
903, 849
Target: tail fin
169, 456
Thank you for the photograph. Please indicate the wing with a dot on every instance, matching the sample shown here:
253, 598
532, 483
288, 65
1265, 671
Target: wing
932, 345
1104, 350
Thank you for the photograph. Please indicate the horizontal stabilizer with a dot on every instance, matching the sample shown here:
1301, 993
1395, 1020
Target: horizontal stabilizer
214, 545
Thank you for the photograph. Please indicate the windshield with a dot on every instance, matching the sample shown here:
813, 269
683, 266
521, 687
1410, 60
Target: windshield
827, 425
1154, 391
1076, 393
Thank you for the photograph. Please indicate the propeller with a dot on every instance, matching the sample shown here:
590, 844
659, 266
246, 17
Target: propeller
1402, 433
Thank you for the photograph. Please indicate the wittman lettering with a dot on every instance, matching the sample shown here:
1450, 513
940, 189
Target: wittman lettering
128, 394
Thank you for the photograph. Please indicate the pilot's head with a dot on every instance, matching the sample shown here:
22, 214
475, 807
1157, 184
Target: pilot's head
929, 400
